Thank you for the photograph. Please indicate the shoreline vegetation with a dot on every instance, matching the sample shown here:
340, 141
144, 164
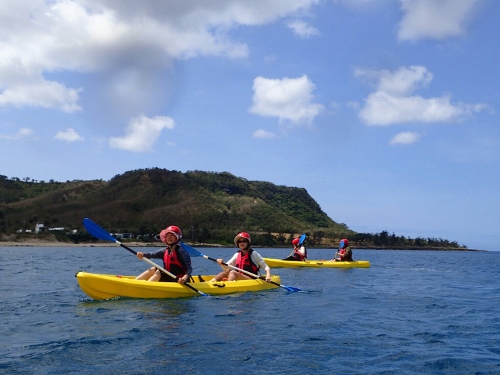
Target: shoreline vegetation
42, 243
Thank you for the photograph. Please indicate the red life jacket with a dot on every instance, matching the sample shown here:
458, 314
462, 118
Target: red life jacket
342, 254
245, 262
173, 263
298, 255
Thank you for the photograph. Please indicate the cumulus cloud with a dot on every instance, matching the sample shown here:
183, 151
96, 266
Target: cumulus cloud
264, 134
44, 94
431, 19
23, 133
405, 138
289, 99
69, 135
41, 39
142, 133
302, 29
393, 101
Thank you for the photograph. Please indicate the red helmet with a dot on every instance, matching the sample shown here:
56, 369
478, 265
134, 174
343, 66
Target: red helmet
244, 235
295, 241
171, 229
344, 242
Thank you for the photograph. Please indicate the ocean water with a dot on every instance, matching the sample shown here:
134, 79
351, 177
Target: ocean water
412, 312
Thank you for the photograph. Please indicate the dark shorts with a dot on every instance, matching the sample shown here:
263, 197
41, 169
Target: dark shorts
166, 278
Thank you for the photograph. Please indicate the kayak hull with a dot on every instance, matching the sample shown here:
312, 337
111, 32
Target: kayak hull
102, 286
279, 263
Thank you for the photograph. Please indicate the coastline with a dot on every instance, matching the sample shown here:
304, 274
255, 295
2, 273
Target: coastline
42, 243
69, 244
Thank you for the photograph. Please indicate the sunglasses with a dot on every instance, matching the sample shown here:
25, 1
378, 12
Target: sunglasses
242, 241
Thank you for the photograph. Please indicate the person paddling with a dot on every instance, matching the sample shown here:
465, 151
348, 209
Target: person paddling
344, 253
176, 260
299, 253
246, 259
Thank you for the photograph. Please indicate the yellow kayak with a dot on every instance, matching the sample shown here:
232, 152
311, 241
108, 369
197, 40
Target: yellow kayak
101, 286
279, 263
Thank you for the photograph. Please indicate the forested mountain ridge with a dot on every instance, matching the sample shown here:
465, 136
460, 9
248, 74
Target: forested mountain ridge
209, 207
206, 205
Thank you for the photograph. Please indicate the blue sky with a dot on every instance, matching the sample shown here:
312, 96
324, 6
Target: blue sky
386, 111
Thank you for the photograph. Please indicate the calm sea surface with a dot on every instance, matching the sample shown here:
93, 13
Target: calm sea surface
412, 312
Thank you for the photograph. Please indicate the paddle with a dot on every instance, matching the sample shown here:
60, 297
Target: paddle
101, 234
302, 239
193, 252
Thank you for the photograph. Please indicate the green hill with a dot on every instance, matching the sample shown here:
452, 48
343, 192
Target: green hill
209, 207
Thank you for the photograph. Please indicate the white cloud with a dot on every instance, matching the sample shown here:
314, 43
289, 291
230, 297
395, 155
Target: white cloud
69, 135
264, 134
289, 99
393, 102
434, 19
405, 138
142, 133
404, 80
302, 29
81, 36
23, 133
43, 94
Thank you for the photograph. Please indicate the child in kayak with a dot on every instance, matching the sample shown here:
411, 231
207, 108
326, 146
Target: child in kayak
176, 260
299, 253
246, 258
344, 253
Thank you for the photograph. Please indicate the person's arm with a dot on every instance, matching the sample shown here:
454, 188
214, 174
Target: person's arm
230, 262
156, 255
302, 250
346, 254
337, 255
233, 259
257, 259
